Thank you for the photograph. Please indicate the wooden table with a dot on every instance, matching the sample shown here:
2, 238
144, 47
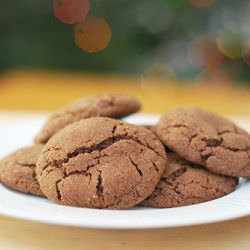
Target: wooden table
42, 91
18, 234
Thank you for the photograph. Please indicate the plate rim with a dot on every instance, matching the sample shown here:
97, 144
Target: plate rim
15, 213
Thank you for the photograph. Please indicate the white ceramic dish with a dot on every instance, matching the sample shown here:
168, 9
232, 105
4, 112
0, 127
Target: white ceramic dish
29, 207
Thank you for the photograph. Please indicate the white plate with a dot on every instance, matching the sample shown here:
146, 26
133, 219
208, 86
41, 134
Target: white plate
29, 207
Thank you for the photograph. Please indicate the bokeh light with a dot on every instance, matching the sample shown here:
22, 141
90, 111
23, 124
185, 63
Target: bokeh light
204, 54
71, 11
230, 42
201, 3
93, 34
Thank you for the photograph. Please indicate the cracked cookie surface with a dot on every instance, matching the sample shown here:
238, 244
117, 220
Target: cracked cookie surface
17, 170
101, 163
184, 183
107, 105
207, 139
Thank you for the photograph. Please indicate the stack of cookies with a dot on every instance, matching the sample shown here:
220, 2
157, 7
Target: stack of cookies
86, 156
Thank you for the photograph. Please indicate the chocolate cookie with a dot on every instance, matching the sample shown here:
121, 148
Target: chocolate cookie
207, 139
184, 183
101, 163
17, 170
107, 105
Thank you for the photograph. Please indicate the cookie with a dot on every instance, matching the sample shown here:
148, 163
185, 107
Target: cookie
107, 105
184, 183
150, 127
101, 163
206, 139
17, 170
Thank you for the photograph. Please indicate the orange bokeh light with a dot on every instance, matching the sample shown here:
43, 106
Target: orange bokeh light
93, 34
71, 11
201, 3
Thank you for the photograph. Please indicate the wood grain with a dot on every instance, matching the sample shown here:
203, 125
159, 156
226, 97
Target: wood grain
25, 235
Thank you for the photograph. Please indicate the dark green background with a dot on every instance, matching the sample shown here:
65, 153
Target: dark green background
143, 34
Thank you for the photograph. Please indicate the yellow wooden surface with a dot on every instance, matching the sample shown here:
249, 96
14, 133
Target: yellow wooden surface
25, 235
43, 91
47, 91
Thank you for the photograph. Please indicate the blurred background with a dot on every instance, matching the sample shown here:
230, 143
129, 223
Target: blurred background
166, 52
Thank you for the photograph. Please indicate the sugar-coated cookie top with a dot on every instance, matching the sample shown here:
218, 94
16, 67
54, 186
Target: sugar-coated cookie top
205, 138
106, 105
17, 170
101, 163
184, 183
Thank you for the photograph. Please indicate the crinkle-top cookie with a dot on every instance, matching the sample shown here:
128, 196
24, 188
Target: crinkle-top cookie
207, 139
106, 105
184, 183
17, 170
101, 163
